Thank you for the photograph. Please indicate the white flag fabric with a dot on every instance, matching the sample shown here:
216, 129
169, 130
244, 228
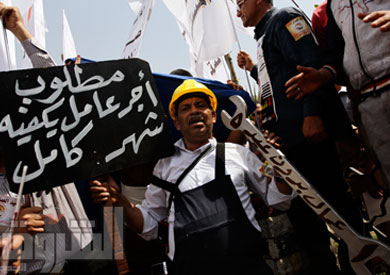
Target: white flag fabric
4, 65
35, 23
68, 46
136, 5
208, 25
215, 68
23, 5
133, 44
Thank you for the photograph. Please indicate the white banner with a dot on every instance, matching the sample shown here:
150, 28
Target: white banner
23, 5
215, 68
135, 5
133, 44
35, 23
68, 46
208, 25
4, 64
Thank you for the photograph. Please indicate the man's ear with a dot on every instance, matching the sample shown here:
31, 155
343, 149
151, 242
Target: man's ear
177, 124
214, 116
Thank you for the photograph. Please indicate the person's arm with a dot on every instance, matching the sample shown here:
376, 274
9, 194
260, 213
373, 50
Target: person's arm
277, 193
299, 47
276, 142
106, 189
310, 78
14, 22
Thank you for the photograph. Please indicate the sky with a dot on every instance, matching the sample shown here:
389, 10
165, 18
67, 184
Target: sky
100, 29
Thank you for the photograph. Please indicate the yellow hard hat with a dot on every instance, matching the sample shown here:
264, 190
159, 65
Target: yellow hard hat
191, 86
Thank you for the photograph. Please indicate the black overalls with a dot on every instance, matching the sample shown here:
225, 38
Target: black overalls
213, 234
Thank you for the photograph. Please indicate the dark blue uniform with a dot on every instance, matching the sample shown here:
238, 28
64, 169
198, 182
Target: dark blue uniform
282, 54
287, 41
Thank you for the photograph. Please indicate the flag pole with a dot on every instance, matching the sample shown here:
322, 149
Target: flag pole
239, 47
6, 44
299, 8
229, 62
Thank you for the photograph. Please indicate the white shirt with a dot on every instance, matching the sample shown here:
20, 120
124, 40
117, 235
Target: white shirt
241, 164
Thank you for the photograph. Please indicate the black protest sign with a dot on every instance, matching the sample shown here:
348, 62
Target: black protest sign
80, 121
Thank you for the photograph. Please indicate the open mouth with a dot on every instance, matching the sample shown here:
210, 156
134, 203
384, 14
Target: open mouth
195, 120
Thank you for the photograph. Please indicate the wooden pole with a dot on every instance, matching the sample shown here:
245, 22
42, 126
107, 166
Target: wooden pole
229, 62
115, 237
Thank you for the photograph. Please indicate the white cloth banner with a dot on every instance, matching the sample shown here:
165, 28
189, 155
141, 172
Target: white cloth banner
215, 68
68, 46
144, 11
3, 47
136, 5
208, 25
23, 5
35, 23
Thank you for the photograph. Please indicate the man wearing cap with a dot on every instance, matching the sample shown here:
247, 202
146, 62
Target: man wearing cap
203, 193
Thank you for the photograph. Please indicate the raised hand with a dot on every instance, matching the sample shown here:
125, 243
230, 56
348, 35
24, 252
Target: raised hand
244, 61
14, 22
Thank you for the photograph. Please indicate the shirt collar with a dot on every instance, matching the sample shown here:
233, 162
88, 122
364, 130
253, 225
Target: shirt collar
260, 27
181, 146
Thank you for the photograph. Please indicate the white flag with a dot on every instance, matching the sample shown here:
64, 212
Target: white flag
68, 46
6, 64
144, 11
23, 5
208, 25
136, 5
35, 23
215, 68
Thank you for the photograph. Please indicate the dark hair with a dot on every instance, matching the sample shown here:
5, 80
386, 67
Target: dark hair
195, 94
181, 72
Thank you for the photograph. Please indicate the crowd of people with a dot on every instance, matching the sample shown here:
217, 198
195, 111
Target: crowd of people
193, 212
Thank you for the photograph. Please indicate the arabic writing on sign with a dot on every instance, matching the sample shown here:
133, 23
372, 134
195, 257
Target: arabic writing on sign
59, 118
284, 169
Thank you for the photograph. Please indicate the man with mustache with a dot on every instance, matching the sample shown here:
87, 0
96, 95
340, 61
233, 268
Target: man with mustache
203, 193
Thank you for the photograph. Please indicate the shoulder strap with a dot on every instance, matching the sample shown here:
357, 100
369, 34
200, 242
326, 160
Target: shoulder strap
220, 161
163, 184
188, 169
